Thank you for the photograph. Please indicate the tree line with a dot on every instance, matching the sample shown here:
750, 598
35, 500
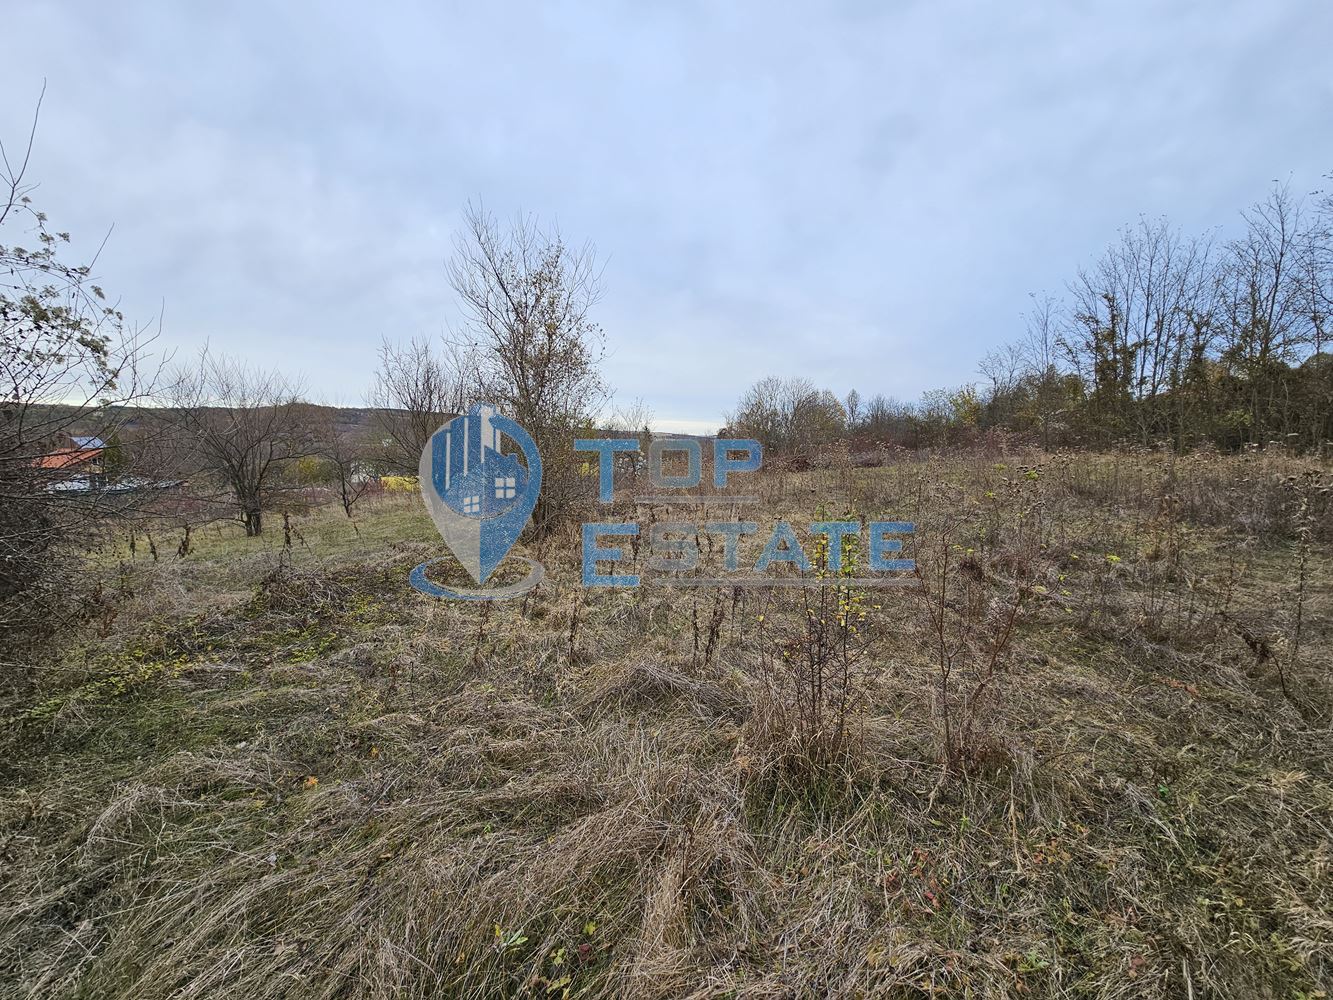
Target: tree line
1164, 339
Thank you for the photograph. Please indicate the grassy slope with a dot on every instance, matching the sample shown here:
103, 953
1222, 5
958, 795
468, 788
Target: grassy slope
261, 774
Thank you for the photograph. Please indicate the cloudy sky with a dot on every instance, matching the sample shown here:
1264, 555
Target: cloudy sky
862, 193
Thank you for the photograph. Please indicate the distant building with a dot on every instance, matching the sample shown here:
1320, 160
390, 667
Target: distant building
79, 465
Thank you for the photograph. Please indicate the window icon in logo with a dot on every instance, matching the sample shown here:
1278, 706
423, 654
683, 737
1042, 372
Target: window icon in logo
480, 496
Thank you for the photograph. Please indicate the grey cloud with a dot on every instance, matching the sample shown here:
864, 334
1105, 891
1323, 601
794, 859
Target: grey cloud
865, 196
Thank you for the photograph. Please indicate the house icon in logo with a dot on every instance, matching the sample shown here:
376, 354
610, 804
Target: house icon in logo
468, 470
479, 496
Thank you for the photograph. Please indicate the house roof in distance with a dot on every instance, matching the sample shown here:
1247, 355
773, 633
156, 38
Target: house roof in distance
67, 459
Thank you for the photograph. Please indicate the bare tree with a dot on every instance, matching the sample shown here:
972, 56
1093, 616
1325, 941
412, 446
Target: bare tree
1319, 266
347, 457
68, 365
1133, 313
1265, 308
817, 419
635, 420
1003, 368
886, 418
242, 425
1041, 370
853, 406
789, 415
760, 413
529, 344
414, 392
630, 418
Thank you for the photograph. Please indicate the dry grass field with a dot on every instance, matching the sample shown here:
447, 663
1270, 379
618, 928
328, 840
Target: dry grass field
1087, 756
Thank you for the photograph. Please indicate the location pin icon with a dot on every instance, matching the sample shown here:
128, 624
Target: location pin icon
479, 497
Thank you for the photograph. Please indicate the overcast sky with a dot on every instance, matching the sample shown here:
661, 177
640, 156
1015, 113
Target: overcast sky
861, 193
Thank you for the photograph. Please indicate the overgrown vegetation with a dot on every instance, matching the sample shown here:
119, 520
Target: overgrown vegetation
1083, 753
307, 781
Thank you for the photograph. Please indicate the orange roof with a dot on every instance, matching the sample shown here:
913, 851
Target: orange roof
65, 459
